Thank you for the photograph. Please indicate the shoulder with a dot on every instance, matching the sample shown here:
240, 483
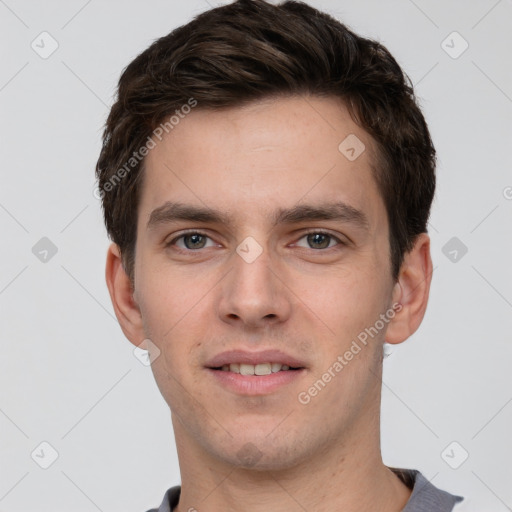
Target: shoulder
426, 497
170, 500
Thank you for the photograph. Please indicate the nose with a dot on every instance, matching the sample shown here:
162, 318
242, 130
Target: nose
254, 294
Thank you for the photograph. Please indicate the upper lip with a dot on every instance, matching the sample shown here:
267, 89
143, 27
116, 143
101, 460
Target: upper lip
245, 357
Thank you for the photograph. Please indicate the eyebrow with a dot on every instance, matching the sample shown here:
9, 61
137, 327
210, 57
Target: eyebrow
173, 212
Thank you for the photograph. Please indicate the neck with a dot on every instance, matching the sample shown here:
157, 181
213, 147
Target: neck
346, 475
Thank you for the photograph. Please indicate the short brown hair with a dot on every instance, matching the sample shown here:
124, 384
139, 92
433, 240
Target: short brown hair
250, 50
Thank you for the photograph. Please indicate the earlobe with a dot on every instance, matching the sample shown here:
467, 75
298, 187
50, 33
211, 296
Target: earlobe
122, 296
411, 291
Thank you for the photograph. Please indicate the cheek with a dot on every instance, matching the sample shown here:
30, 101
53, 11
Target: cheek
345, 301
167, 300
174, 309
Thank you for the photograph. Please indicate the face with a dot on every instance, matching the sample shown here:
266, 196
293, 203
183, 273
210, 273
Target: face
259, 241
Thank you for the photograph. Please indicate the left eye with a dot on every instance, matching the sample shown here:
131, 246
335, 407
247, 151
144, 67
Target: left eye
319, 240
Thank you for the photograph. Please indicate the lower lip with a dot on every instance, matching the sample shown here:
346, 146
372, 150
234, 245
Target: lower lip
256, 384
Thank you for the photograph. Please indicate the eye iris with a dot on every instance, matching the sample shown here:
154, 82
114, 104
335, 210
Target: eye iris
195, 238
316, 238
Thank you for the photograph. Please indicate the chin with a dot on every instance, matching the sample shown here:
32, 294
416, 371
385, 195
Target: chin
263, 454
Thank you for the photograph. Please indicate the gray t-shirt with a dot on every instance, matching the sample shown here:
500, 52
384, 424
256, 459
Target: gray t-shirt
425, 496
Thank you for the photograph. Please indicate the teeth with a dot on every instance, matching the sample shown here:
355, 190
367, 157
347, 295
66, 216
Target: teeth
246, 369
275, 367
258, 369
263, 369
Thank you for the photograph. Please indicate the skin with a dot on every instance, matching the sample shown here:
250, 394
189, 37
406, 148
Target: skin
297, 296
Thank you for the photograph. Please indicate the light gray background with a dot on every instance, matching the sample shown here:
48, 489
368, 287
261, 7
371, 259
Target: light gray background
67, 374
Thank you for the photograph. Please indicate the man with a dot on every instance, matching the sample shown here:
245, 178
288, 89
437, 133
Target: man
266, 178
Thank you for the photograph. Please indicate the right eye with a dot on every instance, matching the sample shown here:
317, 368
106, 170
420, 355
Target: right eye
191, 241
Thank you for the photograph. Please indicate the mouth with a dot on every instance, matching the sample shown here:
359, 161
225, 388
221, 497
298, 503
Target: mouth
248, 383
255, 369
263, 362
255, 373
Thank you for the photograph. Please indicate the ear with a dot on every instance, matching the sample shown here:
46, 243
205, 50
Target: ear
411, 291
122, 296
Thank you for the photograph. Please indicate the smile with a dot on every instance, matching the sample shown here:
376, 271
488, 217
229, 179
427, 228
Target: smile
255, 380
255, 369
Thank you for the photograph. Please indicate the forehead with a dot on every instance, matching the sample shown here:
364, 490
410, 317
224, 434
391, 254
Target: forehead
272, 154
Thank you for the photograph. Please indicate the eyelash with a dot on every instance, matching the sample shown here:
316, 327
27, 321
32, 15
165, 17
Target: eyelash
201, 233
